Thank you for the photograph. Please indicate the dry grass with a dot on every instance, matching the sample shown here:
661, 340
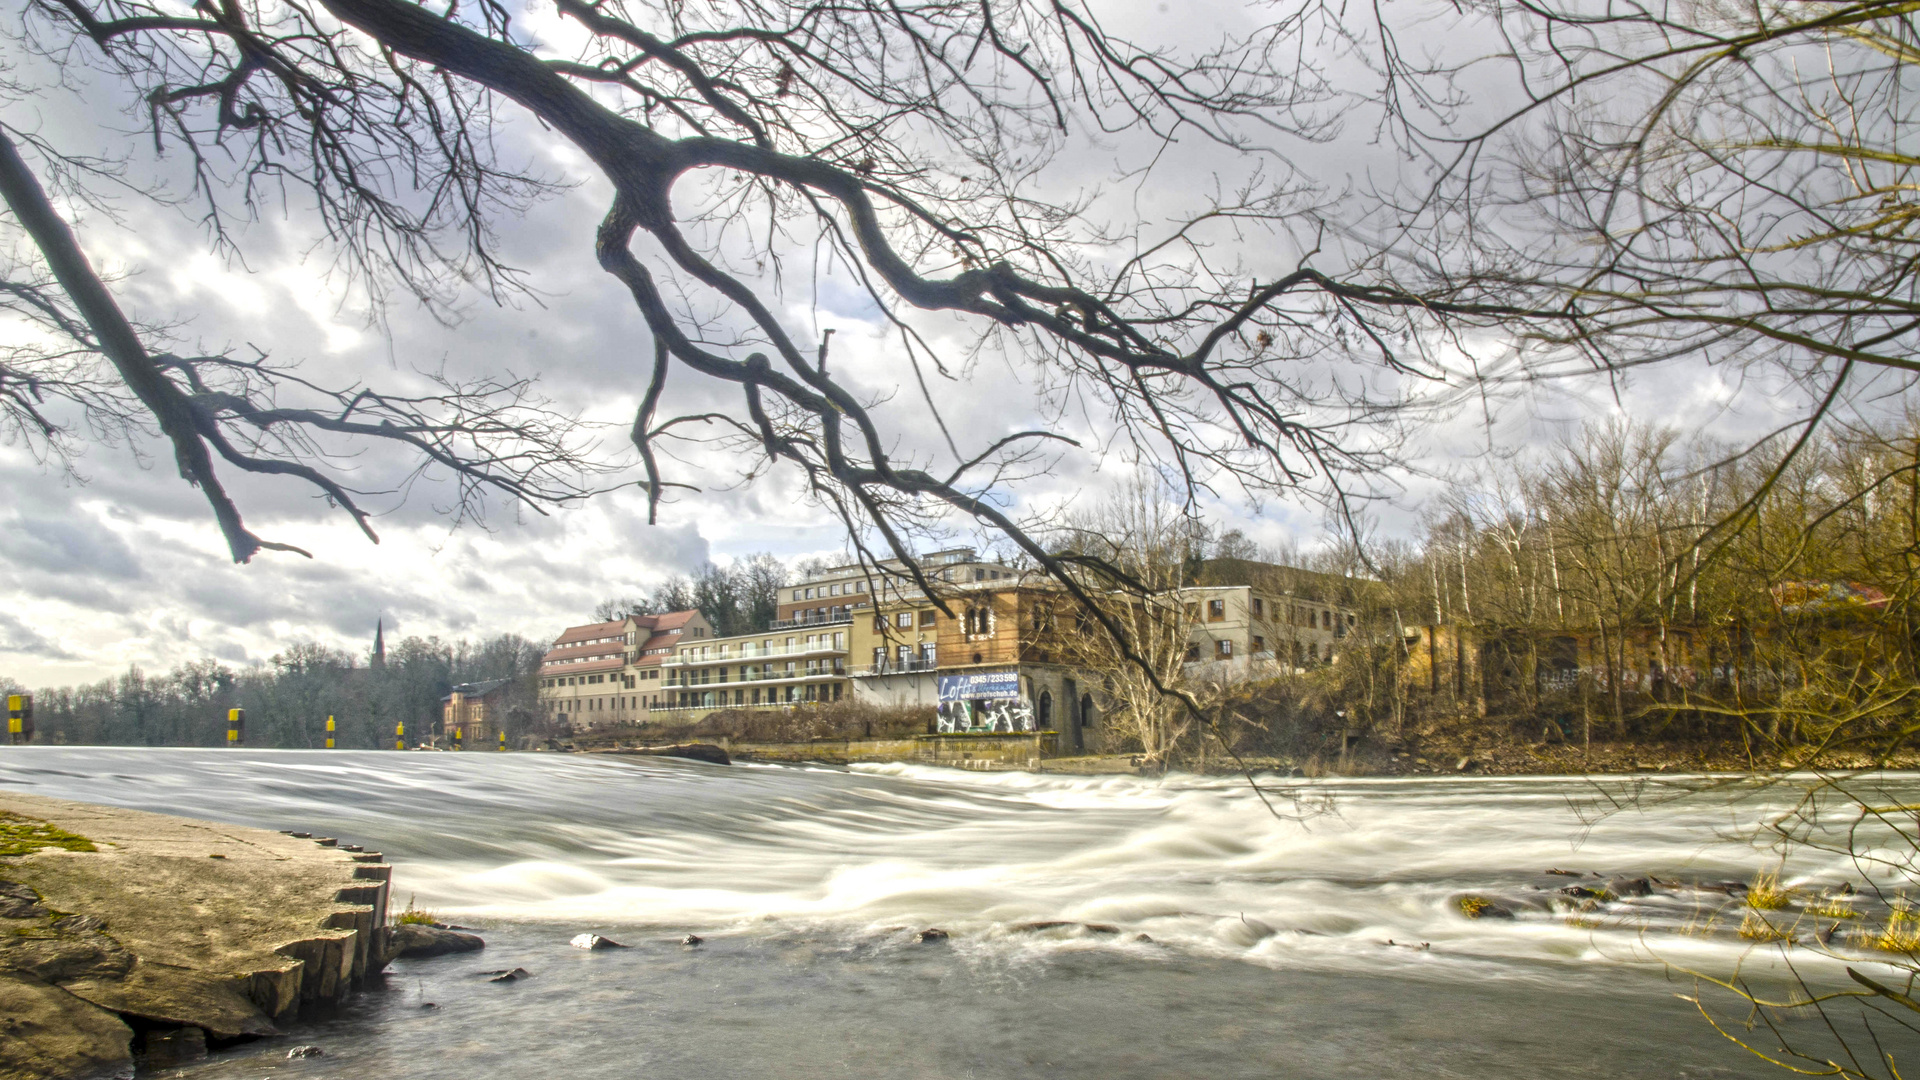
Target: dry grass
1832, 909
1757, 927
1901, 934
413, 916
1765, 894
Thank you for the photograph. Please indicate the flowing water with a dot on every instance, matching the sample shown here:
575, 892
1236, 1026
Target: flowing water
1225, 942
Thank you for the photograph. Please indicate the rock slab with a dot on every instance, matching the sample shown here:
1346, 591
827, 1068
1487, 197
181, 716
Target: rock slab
172, 923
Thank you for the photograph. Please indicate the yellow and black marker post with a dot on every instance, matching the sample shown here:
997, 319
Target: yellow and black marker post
236, 726
19, 719
459, 735
400, 736
503, 739
329, 732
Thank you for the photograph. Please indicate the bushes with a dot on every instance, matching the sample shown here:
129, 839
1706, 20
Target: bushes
803, 723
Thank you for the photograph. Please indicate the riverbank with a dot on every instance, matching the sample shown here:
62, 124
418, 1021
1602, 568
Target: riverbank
130, 936
1466, 752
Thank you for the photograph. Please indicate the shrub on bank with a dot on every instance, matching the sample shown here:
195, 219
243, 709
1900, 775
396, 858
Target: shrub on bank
801, 723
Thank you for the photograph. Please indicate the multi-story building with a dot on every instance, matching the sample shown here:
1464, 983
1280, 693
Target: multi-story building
610, 674
473, 715
1253, 617
747, 671
995, 663
836, 594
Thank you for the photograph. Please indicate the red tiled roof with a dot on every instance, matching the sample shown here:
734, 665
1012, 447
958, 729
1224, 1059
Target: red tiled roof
672, 620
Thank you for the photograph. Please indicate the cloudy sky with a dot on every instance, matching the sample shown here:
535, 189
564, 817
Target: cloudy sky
120, 564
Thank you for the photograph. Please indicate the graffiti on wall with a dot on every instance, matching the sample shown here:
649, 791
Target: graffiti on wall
986, 701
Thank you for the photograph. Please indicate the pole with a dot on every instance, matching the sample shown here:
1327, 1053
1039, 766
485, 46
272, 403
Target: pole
400, 736
329, 732
236, 726
503, 738
19, 719
459, 736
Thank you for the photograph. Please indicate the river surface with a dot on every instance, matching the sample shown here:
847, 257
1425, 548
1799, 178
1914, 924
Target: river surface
1247, 945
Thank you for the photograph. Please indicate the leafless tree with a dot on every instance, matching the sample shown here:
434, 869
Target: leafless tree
79, 369
906, 143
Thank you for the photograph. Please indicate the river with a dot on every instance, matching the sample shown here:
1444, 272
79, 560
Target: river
1246, 945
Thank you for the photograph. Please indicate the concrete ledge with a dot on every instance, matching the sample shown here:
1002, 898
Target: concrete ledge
171, 924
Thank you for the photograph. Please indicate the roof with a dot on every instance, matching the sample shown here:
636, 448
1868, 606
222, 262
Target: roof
672, 620
1291, 580
475, 689
590, 631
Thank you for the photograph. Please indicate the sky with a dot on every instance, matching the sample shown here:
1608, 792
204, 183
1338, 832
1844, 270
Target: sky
117, 563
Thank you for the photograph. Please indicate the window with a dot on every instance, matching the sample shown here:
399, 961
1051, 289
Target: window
979, 575
879, 624
926, 618
905, 655
1259, 644
879, 656
926, 653
839, 640
1259, 608
904, 620
1223, 649
833, 590
1313, 620
796, 594
1216, 610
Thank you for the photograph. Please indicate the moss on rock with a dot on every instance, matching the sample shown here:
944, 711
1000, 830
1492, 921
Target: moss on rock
20, 835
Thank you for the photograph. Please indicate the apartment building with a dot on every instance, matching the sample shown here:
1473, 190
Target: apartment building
755, 670
610, 674
836, 594
994, 663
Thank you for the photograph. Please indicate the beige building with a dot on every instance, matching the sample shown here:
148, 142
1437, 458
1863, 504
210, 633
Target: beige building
747, 671
610, 674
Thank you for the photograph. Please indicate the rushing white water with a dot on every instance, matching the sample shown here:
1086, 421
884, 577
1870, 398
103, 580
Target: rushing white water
1270, 944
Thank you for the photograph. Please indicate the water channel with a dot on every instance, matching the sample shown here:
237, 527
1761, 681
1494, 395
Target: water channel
1229, 942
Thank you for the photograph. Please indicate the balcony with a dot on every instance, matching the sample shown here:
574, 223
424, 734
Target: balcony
894, 667
748, 656
800, 675
841, 618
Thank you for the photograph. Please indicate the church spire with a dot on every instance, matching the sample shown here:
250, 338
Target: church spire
379, 643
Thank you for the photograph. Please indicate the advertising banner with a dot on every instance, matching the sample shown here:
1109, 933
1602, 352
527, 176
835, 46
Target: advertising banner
979, 684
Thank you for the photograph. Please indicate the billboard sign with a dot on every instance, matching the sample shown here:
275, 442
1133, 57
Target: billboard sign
991, 685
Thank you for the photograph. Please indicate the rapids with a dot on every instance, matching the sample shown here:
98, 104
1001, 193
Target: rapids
1325, 945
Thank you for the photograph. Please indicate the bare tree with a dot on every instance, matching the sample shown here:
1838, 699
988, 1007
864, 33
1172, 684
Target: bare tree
902, 141
83, 370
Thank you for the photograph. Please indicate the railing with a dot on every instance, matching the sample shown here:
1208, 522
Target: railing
837, 671
844, 618
894, 667
743, 656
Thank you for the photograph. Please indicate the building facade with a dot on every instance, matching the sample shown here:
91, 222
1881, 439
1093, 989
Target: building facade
612, 674
474, 715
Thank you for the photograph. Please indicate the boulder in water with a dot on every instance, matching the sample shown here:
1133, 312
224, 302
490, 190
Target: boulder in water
1626, 886
594, 941
933, 933
416, 941
692, 939
1474, 906
511, 975
306, 1052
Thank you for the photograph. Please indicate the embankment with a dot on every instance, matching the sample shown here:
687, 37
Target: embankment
127, 935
